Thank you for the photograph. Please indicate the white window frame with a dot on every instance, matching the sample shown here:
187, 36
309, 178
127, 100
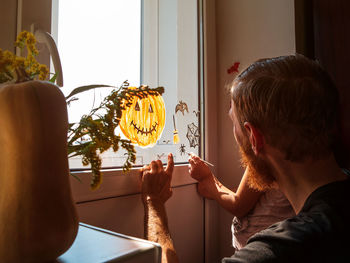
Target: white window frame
115, 182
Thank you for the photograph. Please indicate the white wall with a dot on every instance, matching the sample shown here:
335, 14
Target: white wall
246, 30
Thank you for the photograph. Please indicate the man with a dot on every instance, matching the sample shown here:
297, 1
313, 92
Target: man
284, 113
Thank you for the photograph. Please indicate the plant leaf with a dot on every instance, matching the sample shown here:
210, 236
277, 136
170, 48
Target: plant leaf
70, 100
76, 177
53, 79
76, 148
86, 88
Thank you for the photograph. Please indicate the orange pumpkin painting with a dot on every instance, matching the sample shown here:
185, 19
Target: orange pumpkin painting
143, 122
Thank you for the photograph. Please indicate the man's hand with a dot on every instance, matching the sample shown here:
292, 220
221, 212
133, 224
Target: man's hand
208, 185
155, 191
155, 181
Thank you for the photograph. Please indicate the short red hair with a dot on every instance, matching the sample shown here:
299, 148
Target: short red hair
292, 101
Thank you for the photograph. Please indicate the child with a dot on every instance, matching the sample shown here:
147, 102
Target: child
253, 210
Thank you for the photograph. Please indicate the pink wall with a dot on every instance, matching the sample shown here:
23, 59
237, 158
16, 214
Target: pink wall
245, 31
8, 14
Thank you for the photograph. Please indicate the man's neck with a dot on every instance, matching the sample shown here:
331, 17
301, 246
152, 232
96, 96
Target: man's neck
298, 180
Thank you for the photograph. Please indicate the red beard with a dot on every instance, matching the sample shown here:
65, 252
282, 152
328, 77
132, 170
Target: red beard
260, 176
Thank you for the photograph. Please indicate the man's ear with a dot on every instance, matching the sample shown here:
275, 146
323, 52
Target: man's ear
256, 138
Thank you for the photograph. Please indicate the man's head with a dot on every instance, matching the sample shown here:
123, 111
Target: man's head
291, 104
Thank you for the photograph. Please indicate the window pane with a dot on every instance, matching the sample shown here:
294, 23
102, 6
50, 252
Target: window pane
99, 43
109, 41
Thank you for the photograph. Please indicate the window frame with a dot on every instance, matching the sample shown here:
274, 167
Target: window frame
115, 182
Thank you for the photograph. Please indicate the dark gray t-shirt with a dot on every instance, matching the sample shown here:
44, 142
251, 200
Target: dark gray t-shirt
319, 233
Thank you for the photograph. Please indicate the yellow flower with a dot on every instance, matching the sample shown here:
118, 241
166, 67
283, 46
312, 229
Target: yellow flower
6, 62
12, 65
22, 35
30, 42
1, 59
20, 39
30, 60
8, 57
18, 62
43, 72
28, 39
34, 69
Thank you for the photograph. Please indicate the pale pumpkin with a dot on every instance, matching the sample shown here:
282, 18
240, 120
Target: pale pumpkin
38, 219
143, 122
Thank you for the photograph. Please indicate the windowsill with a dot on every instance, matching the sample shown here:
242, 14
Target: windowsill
116, 183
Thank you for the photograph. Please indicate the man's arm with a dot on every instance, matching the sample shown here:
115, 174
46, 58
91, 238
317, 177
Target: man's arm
155, 191
238, 203
157, 230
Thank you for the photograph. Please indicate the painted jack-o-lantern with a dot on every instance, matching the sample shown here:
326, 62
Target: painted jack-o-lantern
143, 122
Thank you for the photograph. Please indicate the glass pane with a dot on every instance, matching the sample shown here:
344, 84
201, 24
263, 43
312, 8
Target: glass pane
104, 42
178, 73
99, 43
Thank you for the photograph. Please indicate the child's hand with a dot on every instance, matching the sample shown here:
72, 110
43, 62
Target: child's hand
208, 185
198, 169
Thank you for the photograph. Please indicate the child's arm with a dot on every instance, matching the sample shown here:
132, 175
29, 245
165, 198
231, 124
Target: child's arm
238, 203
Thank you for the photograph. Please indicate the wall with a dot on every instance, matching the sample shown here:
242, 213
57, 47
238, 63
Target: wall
245, 31
8, 23
125, 215
331, 43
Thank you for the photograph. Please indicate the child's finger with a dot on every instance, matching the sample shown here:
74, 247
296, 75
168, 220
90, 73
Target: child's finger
196, 158
191, 161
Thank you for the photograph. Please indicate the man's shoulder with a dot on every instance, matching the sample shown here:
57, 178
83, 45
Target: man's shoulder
332, 193
311, 236
298, 239
329, 206
324, 222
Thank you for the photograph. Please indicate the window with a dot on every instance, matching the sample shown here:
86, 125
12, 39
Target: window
145, 42
164, 52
